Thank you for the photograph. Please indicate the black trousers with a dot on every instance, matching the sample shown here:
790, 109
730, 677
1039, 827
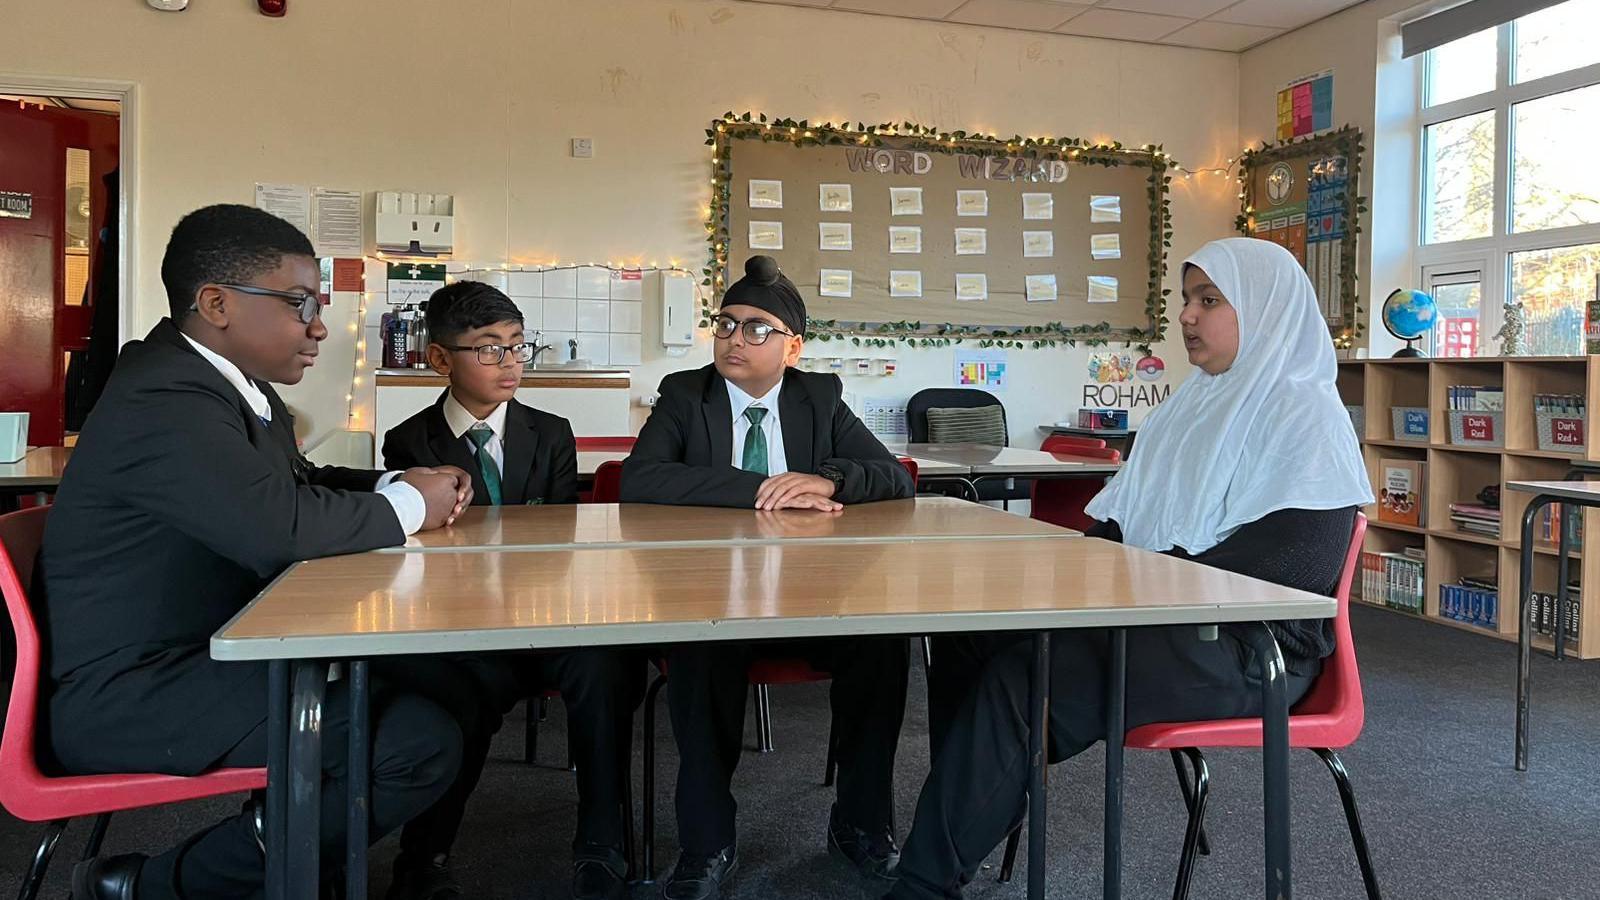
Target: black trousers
416, 749
977, 790
601, 688
706, 687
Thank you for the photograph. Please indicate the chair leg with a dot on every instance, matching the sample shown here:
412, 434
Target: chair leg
763, 719
97, 836
1188, 798
648, 848
833, 762
530, 733
627, 818
1009, 861
41, 859
1358, 835
1197, 816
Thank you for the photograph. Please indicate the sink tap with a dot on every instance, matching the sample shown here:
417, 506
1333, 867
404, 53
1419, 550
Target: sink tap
572, 348
538, 350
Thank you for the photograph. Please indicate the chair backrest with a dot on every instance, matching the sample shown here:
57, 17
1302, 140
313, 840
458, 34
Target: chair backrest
21, 534
606, 443
608, 482
1061, 501
945, 398
1337, 691
910, 467
1066, 443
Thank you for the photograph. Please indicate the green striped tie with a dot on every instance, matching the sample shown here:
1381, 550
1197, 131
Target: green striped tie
479, 435
755, 441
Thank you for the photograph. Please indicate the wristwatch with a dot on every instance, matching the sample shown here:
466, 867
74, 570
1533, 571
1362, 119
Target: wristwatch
832, 473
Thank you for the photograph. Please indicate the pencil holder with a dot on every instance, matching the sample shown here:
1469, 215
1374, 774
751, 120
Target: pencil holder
1562, 432
1478, 428
1358, 419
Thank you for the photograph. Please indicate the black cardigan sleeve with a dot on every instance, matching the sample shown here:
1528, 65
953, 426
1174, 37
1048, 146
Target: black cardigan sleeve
1298, 548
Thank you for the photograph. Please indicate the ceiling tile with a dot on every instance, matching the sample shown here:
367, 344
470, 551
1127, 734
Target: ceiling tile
1221, 36
915, 9
1189, 9
1278, 14
1125, 26
1031, 15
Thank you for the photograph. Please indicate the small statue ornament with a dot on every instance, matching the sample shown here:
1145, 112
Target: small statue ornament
1510, 335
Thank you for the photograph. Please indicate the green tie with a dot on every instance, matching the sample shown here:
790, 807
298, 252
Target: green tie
755, 441
479, 435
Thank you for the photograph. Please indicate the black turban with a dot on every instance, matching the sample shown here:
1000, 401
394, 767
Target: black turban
766, 288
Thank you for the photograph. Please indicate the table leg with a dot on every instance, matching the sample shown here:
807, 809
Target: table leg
1524, 633
1038, 740
1564, 550
275, 839
308, 683
357, 828
1116, 727
1274, 759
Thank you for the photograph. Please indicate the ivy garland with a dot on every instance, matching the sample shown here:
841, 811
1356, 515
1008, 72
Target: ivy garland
909, 136
1344, 142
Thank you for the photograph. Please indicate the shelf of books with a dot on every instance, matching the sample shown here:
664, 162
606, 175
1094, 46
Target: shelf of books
1441, 437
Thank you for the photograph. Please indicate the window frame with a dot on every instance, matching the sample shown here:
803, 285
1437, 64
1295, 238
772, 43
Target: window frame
1491, 255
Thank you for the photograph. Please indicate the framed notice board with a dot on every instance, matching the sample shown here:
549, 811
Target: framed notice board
1306, 195
904, 233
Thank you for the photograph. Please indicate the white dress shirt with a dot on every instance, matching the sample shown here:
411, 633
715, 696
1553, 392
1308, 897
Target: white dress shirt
461, 421
740, 401
409, 507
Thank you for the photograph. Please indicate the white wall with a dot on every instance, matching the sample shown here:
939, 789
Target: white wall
480, 98
1374, 91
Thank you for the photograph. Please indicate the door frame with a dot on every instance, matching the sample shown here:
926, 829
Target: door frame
127, 94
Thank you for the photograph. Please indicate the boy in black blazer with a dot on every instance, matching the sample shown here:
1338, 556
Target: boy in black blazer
186, 495
712, 441
517, 455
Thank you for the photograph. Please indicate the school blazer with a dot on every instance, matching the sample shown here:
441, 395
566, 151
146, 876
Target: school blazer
541, 457
684, 454
178, 507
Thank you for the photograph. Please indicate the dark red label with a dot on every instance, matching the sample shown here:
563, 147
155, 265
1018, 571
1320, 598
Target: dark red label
1566, 432
1477, 428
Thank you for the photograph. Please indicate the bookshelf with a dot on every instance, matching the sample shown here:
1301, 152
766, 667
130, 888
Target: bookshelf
1455, 473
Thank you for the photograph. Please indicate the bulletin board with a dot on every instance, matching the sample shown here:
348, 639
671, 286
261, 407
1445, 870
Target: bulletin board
1306, 195
900, 232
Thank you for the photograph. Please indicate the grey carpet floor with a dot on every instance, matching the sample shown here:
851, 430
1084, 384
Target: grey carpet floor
1446, 814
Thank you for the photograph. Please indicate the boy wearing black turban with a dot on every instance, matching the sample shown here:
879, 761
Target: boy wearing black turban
751, 431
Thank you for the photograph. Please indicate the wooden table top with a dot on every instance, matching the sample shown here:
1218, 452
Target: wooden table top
641, 524
987, 459
387, 603
39, 467
1578, 491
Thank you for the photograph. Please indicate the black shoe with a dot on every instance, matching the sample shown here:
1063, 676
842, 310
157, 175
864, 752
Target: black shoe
874, 854
594, 880
107, 877
418, 878
701, 877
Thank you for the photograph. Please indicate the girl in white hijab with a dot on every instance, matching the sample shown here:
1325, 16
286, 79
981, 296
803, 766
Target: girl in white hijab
1250, 466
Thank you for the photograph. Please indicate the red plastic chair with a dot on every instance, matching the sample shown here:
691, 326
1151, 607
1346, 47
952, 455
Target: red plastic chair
608, 483
1066, 443
1327, 719
33, 796
606, 443
1060, 501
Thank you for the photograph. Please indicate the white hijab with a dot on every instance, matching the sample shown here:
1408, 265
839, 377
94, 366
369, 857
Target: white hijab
1268, 434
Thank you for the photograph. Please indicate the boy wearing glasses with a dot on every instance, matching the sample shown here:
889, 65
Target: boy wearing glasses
751, 431
517, 455
186, 496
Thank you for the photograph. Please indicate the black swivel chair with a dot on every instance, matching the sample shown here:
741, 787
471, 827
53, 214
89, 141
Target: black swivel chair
963, 398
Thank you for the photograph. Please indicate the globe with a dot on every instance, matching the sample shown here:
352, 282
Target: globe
1408, 315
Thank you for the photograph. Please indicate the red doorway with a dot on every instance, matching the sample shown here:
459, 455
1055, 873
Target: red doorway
58, 255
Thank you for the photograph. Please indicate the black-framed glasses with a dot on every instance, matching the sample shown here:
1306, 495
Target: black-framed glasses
492, 354
756, 331
309, 305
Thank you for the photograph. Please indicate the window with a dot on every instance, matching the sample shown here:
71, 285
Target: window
1510, 205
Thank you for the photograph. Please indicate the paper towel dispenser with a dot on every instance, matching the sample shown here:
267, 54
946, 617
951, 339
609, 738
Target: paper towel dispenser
677, 309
